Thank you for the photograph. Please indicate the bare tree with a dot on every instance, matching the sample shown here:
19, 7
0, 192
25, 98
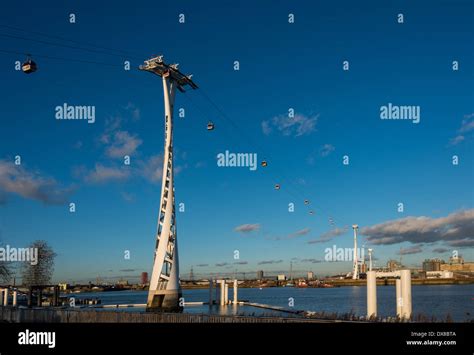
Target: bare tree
42, 272
5, 271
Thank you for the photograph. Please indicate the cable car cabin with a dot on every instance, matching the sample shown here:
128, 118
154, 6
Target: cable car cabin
210, 126
277, 187
29, 67
264, 163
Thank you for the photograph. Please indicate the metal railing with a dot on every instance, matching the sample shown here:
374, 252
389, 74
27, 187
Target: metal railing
45, 315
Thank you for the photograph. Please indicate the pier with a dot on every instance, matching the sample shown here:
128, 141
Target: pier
273, 308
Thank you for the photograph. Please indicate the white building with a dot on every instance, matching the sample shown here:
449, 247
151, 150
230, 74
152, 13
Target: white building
439, 274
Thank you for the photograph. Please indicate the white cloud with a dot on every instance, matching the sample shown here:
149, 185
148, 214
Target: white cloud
296, 234
296, 126
456, 140
327, 236
326, 149
323, 151
247, 228
441, 250
266, 128
152, 169
412, 250
30, 185
311, 260
300, 233
456, 229
101, 174
120, 143
467, 125
268, 262
113, 124
310, 160
466, 242
241, 262
134, 111
128, 197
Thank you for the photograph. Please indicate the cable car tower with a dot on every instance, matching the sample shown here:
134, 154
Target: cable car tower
355, 267
165, 290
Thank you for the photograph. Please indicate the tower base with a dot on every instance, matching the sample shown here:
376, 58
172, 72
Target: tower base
164, 301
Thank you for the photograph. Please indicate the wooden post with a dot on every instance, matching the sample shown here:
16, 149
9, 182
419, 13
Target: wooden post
210, 292
56, 296
39, 297
30, 297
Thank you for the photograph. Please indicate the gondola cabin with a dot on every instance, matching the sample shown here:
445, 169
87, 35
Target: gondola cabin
29, 66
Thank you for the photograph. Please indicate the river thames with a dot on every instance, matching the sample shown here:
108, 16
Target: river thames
437, 301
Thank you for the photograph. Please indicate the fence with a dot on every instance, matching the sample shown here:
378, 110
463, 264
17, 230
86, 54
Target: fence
51, 315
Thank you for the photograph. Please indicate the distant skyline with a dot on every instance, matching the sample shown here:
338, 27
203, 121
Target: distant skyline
320, 128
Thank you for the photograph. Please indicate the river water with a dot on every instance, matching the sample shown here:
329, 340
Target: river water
439, 301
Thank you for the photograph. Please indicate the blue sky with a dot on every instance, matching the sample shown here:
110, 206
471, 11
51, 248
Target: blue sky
282, 66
